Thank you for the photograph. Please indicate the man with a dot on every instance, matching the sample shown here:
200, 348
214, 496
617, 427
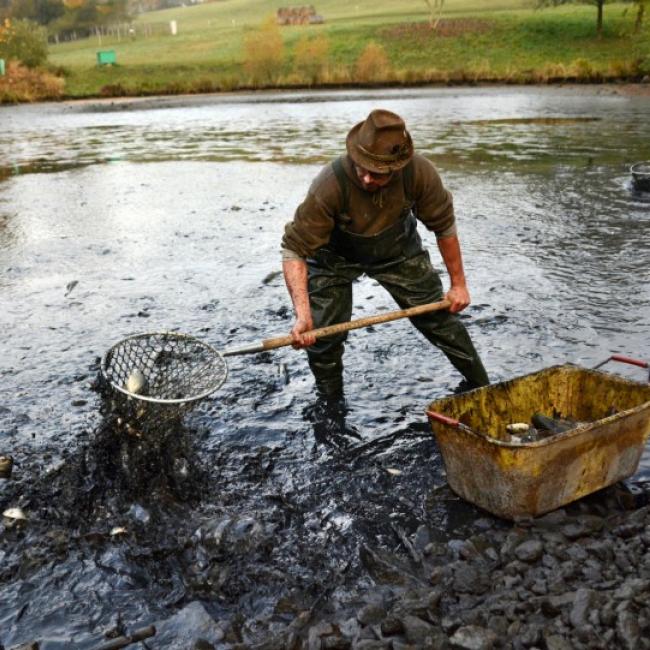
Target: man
359, 217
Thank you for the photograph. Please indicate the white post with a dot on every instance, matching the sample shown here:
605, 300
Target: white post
173, 27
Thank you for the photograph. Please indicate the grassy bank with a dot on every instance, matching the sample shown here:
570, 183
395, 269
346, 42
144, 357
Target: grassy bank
488, 40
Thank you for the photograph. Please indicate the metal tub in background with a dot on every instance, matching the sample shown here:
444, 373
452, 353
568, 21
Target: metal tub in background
518, 479
641, 176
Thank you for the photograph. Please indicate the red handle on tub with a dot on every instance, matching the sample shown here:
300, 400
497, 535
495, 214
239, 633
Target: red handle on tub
619, 357
445, 419
633, 362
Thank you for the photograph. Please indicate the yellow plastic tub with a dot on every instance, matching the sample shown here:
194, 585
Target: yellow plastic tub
514, 480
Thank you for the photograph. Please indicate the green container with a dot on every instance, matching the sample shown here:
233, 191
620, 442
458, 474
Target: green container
106, 57
2, 67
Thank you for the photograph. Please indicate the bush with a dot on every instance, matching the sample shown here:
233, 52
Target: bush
310, 58
24, 41
21, 84
373, 64
264, 52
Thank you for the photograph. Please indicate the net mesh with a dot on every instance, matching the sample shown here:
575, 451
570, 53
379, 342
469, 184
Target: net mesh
156, 377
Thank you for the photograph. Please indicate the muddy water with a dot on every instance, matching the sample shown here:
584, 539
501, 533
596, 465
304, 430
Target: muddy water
122, 217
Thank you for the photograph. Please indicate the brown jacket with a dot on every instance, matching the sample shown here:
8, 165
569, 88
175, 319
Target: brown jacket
368, 212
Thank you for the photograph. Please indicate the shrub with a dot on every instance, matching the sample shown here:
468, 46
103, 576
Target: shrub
310, 58
21, 84
264, 52
24, 41
373, 64
583, 70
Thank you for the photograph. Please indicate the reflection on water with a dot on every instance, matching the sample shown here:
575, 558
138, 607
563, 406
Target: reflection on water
459, 126
169, 213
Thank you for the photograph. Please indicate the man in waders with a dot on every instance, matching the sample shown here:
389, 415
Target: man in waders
359, 217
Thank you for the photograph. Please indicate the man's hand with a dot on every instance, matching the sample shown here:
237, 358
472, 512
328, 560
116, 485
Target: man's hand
458, 296
299, 339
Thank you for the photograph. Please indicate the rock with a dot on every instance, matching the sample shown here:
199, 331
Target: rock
371, 614
139, 514
391, 626
531, 635
419, 632
556, 642
580, 528
186, 627
316, 632
202, 644
583, 602
420, 603
338, 642
468, 580
422, 538
499, 625
530, 551
627, 629
439, 574
631, 588
472, 637
628, 530
551, 520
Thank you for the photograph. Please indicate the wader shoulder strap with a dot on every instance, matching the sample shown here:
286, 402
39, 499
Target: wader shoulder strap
407, 180
342, 179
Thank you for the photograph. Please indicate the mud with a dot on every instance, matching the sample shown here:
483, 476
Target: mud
252, 523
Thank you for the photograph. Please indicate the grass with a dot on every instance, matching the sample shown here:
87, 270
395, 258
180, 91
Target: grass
488, 40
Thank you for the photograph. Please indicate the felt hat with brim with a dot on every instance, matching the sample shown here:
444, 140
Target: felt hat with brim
380, 143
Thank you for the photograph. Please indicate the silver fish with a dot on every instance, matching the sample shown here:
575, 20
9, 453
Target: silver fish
136, 382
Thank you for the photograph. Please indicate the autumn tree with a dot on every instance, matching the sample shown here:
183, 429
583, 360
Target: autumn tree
264, 52
311, 56
24, 41
373, 63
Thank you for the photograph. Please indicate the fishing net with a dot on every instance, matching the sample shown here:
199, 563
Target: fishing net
157, 377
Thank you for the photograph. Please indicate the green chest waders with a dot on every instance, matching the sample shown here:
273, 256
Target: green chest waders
397, 260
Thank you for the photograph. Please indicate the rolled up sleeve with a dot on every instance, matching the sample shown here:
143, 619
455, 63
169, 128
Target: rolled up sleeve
313, 221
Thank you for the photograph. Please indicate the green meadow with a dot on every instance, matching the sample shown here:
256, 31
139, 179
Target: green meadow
222, 46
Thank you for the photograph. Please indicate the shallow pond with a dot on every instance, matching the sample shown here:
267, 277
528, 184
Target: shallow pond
159, 214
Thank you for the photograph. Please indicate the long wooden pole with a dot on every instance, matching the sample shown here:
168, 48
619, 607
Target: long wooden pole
322, 332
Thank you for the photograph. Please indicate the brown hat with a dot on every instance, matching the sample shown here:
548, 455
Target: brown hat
381, 143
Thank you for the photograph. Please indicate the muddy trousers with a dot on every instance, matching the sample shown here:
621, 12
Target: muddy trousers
411, 282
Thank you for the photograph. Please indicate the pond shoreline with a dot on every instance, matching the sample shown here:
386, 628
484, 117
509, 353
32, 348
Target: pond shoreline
640, 88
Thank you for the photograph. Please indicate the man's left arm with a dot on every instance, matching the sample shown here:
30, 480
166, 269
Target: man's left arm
458, 294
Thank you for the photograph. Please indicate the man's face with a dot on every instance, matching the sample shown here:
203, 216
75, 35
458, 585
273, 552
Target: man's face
371, 181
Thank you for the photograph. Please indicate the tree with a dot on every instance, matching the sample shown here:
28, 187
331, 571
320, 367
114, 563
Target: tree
435, 11
310, 57
42, 12
640, 12
598, 3
264, 52
373, 63
24, 41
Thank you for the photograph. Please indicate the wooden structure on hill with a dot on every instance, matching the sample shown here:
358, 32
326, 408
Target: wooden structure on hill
299, 15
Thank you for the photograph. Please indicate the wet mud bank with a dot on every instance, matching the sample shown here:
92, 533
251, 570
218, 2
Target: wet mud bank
360, 549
